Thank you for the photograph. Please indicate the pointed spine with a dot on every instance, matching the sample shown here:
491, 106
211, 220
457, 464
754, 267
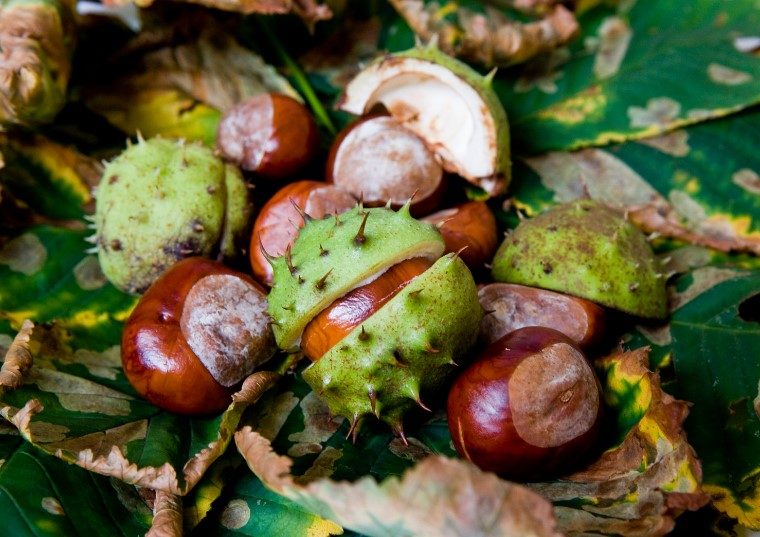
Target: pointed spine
360, 237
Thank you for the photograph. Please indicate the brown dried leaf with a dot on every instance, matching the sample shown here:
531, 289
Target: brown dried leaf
474, 502
36, 42
490, 38
638, 487
18, 359
103, 451
167, 516
309, 11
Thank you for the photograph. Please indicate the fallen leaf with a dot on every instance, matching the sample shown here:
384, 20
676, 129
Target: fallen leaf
638, 487
490, 38
474, 502
167, 516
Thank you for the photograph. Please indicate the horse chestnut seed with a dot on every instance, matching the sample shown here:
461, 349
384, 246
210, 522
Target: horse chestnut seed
470, 229
270, 134
277, 224
379, 160
198, 330
528, 408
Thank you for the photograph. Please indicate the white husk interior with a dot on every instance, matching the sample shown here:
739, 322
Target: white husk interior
437, 105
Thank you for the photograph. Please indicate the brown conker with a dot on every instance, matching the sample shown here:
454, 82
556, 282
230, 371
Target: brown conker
342, 316
379, 160
270, 134
528, 408
198, 331
276, 226
510, 306
469, 228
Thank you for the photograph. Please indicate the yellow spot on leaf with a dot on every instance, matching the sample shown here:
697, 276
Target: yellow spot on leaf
25, 254
720, 74
86, 319
588, 104
52, 506
323, 528
745, 509
63, 163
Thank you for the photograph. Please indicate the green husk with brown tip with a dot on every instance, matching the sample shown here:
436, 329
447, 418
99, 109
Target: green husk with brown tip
588, 250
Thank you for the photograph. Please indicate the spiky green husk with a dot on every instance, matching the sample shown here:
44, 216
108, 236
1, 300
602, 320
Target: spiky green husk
333, 255
160, 201
585, 249
406, 349
498, 182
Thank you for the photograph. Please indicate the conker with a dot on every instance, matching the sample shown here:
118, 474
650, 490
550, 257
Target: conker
270, 134
277, 224
337, 320
198, 330
378, 159
469, 227
510, 306
528, 408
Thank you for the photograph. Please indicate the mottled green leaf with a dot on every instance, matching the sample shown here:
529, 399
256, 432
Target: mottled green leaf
644, 70
43, 496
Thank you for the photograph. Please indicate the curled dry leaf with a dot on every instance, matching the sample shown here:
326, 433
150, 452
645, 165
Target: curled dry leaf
642, 484
102, 445
167, 516
36, 43
310, 11
599, 175
18, 359
474, 502
490, 37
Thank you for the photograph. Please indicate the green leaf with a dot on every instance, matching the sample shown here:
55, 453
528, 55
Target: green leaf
43, 496
635, 74
716, 367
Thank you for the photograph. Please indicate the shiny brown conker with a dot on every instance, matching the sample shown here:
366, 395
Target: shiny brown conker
198, 331
270, 134
528, 408
379, 160
277, 224
510, 306
343, 315
470, 229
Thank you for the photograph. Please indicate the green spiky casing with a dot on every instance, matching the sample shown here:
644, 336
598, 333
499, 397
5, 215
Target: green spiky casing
160, 201
483, 85
585, 249
406, 348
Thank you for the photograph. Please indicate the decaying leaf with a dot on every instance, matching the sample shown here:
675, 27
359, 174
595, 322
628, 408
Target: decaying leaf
36, 43
439, 496
181, 89
101, 445
17, 360
599, 175
490, 37
167, 516
310, 11
642, 484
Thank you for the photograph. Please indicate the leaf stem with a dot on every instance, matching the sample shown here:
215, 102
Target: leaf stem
299, 77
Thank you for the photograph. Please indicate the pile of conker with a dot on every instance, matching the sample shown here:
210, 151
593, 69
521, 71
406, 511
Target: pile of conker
526, 405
